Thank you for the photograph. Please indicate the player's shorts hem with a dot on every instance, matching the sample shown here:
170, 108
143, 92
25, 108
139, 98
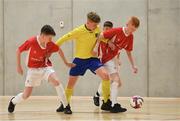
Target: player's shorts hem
82, 65
35, 77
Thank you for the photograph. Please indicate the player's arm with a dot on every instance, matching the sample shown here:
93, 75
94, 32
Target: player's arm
61, 54
69, 36
55, 48
24, 47
95, 49
109, 34
18, 58
104, 37
118, 56
119, 60
131, 60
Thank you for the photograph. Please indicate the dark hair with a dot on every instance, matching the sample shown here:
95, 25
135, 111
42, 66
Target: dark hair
48, 30
93, 17
108, 24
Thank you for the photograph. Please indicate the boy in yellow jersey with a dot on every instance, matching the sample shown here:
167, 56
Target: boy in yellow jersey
85, 39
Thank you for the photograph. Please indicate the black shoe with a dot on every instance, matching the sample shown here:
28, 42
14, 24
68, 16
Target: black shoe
61, 108
67, 110
96, 101
106, 106
11, 106
117, 108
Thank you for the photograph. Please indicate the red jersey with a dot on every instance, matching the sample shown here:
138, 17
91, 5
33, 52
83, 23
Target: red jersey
37, 55
120, 40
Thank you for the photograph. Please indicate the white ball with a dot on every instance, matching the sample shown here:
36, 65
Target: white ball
136, 102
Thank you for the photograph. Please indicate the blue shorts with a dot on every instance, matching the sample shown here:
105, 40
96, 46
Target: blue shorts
84, 64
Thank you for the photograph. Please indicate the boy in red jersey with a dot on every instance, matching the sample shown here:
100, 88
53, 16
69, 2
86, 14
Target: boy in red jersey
39, 66
120, 38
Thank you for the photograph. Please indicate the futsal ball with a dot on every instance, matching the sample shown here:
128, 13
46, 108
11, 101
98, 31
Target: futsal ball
136, 102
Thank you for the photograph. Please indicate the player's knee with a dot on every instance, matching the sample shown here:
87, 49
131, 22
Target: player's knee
105, 75
118, 82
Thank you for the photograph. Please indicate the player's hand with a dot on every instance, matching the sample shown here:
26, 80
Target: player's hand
94, 53
135, 69
20, 70
111, 45
119, 63
70, 65
48, 55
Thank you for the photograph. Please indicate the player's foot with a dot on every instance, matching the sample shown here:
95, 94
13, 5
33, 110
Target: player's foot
117, 108
11, 106
106, 106
96, 100
67, 110
61, 108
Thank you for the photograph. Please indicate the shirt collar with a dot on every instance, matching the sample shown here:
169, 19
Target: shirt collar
124, 31
37, 37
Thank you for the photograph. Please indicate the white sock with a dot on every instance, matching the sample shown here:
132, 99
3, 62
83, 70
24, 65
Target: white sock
61, 93
114, 93
18, 99
99, 90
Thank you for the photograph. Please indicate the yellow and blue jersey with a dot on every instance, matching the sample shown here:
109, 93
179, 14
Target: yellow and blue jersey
85, 41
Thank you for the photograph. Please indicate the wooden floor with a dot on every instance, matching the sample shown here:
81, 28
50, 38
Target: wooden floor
43, 108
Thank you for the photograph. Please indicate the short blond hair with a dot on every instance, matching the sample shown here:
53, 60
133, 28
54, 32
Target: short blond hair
135, 21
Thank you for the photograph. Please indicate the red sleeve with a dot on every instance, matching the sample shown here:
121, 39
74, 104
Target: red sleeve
129, 47
109, 34
25, 46
53, 47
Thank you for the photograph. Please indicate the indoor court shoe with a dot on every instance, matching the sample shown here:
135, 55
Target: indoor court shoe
96, 101
106, 106
117, 109
61, 108
11, 106
67, 110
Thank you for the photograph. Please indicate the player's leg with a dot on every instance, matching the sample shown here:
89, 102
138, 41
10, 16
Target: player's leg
74, 73
69, 91
99, 91
102, 72
115, 85
113, 68
59, 89
97, 95
96, 66
19, 98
